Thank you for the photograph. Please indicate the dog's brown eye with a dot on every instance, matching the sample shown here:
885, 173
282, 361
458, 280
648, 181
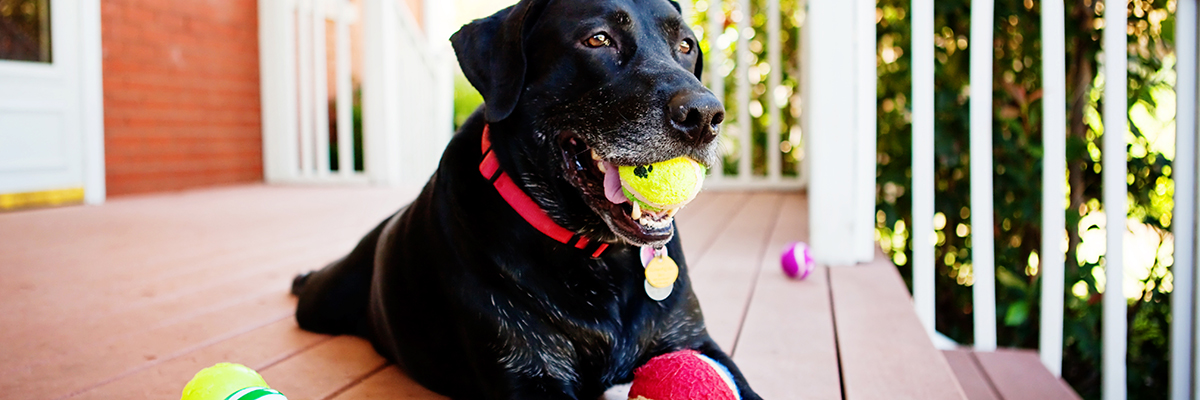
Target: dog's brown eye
598, 40
685, 46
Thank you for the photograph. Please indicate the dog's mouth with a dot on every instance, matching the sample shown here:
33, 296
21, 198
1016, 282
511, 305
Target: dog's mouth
600, 183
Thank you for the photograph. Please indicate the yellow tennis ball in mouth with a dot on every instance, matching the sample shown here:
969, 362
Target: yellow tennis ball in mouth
663, 185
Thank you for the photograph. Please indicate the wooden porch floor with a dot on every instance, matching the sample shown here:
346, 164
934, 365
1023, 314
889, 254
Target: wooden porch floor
129, 299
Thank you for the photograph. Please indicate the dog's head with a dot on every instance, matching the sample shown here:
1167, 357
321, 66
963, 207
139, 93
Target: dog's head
583, 86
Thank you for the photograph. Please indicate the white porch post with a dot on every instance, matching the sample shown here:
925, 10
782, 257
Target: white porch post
277, 53
381, 145
439, 22
842, 229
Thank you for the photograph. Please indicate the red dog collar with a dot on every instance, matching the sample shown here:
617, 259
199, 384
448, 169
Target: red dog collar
519, 201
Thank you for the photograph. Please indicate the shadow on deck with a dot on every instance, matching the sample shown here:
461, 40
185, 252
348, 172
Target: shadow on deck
129, 299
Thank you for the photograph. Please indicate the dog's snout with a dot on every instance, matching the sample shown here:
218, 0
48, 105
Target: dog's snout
697, 114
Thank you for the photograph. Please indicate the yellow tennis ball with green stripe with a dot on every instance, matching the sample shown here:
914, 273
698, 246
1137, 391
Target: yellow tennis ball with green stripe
663, 185
228, 381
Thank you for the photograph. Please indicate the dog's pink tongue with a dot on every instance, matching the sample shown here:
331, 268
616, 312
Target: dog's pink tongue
612, 184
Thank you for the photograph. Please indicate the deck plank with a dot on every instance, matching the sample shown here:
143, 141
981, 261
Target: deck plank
698, 228
786, 347
388, 384
724, 276
698, 204
884, 351
167, 272
325, 370
1019, 374
974, 382
257, 349
103, 293
65, 375
159, 308
174, 227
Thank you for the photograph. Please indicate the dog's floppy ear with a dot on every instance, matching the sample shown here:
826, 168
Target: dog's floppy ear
492, 56
677, 7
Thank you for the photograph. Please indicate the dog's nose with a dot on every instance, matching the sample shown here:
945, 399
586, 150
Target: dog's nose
697, 114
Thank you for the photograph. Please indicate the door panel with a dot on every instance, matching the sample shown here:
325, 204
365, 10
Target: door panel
41, 133
31, 141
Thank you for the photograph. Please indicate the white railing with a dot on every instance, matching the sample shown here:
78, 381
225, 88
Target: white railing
1053, 227
981, 172
405, 87
774, 177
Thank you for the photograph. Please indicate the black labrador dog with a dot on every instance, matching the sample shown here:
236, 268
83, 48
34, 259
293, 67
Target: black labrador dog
468, 295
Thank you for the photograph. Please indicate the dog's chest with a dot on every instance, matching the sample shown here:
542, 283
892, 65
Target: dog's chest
595, 345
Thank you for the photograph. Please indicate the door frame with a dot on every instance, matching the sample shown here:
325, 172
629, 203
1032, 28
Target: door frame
91, 93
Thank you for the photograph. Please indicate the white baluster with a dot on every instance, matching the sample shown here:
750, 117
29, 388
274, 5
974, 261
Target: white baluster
982, 240
745, 142
320, 98
1054, 176
866, 135
716, 56
773, 81
1115, 188
305, 62
345, 92
922, 163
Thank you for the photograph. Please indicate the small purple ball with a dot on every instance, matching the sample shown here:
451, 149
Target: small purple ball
797, 260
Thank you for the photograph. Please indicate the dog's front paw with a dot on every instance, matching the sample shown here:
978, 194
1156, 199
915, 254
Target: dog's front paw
299, 281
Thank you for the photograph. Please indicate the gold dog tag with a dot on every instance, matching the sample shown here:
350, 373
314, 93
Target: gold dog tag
662, 271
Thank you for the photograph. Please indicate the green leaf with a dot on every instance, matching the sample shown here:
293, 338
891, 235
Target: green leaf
1009, 280
1017, 313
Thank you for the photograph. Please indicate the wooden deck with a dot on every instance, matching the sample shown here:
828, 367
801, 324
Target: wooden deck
1006, 374
129, 299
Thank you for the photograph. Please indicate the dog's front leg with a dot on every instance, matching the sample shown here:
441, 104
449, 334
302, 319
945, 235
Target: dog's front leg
710, 349
542, 387
535, 367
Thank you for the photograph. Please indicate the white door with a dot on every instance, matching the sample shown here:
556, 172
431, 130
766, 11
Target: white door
51, 126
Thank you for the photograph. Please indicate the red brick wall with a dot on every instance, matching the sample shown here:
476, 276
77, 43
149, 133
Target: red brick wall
181, 94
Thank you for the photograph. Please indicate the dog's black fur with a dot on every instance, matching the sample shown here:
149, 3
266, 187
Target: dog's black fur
469, 298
